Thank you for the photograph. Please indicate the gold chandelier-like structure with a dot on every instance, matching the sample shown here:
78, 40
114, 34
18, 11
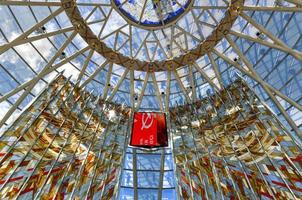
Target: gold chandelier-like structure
230, 145
65, 144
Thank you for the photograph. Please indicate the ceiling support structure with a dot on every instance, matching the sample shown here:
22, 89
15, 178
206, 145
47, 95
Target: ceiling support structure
256, 77
294, 53
216, 70
157, 91
35, 80
192, 83
179, 46
206, 77
94, 74
132, 90
36, 37
107, 86
85, 65
140, 98
182, 87
24, 35
118, 85
42, 74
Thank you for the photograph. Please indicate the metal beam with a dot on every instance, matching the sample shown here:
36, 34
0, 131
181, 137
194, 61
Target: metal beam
157, 91
216, 69
265, 86
96, 72
85, 65
140, 98
43, 73
118, 85
24, 35
206, 77
294, 53
35, 80
182, 87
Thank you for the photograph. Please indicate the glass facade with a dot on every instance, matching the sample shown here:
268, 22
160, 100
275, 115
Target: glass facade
148, 174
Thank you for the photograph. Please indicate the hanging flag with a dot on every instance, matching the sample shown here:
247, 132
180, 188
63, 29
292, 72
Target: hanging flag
149, 130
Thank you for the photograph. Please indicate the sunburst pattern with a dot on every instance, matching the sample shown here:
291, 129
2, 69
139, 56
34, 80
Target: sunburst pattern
265, 40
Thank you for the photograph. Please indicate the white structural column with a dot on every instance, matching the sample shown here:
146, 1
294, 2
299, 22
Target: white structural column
286, 98
182, 87
285, 49
42, 74
25, 40
157, 91
118, 85
108, 84
206, 77
192, 83
140, 98
216, 69
85, 65
93, 75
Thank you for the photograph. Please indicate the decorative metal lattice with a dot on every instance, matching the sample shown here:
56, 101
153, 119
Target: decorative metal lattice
67, 144
230, 145
92, 36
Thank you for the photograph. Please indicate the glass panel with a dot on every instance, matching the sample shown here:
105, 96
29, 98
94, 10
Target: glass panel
148, 179
126, 194
127, 179
168, 194
168, 181
144, 194
148, 162
128, 161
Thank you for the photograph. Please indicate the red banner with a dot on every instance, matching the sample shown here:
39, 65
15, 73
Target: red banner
149, 130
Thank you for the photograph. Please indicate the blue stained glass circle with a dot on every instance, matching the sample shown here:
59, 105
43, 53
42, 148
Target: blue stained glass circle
152, 13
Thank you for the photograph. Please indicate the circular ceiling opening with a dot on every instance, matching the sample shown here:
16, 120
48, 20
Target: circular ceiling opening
152, 14
162, 34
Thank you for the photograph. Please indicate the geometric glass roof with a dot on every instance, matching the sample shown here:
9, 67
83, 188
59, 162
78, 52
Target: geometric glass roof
146, 34
152, 56
261, 42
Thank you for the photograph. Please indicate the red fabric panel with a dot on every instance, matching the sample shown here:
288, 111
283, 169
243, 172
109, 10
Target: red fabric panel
149, 130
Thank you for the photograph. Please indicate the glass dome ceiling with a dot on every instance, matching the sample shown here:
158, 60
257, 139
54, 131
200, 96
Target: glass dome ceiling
151, 56
156, 41
157, 60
